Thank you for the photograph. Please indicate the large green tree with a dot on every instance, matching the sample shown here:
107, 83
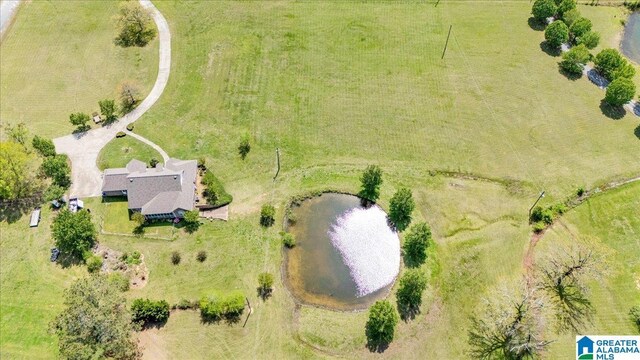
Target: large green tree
409, 295
371, 180
109, 110
400, 208
16, 178
43, 146
381, 326
612, 65
81, 120
95, 323
18, 133
590, 39
580, 27
574, 60
556, 34
543, 9
74, 233
136, 26
620, 92
415, 244
565, 6
57, 168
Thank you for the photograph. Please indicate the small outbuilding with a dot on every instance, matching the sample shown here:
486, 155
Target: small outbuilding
35, 218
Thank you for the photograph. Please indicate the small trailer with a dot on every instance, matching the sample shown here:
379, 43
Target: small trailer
35, 218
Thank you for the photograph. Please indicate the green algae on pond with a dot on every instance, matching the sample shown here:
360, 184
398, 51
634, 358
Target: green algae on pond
630, 44
315, 271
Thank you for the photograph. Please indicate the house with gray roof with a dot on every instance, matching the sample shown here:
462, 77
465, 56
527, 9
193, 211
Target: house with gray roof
163, 192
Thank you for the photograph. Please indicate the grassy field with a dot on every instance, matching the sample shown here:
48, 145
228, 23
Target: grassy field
59, 58
337, 86
120, 151
610, 226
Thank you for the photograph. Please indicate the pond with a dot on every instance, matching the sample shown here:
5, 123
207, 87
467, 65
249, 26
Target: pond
346, 255
630, 45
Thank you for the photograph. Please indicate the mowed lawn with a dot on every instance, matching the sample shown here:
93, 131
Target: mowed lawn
120, 151
59, 58
609, 224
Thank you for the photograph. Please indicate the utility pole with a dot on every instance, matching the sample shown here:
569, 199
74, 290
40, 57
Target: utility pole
278, 161
447, 43
534, 205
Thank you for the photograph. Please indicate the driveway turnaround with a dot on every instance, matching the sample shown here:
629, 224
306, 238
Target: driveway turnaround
83, 148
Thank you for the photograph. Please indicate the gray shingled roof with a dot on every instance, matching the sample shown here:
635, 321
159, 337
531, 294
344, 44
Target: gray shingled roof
156, 190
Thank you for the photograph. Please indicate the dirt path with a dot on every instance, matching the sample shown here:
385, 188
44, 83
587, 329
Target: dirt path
529, 259
83, 148
152, 344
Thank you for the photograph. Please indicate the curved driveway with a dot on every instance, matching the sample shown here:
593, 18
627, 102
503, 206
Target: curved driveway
83, 148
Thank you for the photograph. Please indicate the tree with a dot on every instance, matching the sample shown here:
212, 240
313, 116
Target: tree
18, 133
201, 256
80, 120
565, 6
563, 278
371, 180
620, 92
510, 328
74, 233
175, 258
409, 294
265, 284
43, 146
612, 65
57, 168
556, 34
136, 26
192, 220
415, 244
244, 147
139, 219
145, 311
574, 60
543, 9
153, 162
109, 110
16, 178
267, 215
570, 16
94, 322
580, 27
634, 313
400, 208
54, 192
381, 325
229, 307
129, 96
590, 39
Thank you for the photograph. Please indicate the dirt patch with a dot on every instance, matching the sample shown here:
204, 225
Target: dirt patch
113, 261
152, 344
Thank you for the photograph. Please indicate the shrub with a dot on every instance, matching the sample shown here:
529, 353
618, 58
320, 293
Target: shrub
153, 162
590, 39
130, 127
536, 214
381, 325
538, 227
559, 209
267, 215
415, 244
186, 304
574, 60
556, 34
175, 258
145, 311
201, 256
54, 192
265, 284
620, 92
215, 308
121, 134
634, 313
580, 27
288, 239
400, 208
119, 281
215, 192
133, 259
244, 147
94, 264
580, 191
543, 9
43, 146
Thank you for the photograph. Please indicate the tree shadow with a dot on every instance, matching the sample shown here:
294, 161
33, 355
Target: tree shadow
13, 212
612, 112
69, 260
569, 75
366, 203
263, 293
550, 50
376, 346
229, 319
154, 325
408, 313
535, 24
81, 131
637, 132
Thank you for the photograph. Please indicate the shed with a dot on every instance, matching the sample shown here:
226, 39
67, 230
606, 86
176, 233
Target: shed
35, 218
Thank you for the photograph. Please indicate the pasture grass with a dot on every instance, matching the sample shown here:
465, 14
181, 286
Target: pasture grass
59, 58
